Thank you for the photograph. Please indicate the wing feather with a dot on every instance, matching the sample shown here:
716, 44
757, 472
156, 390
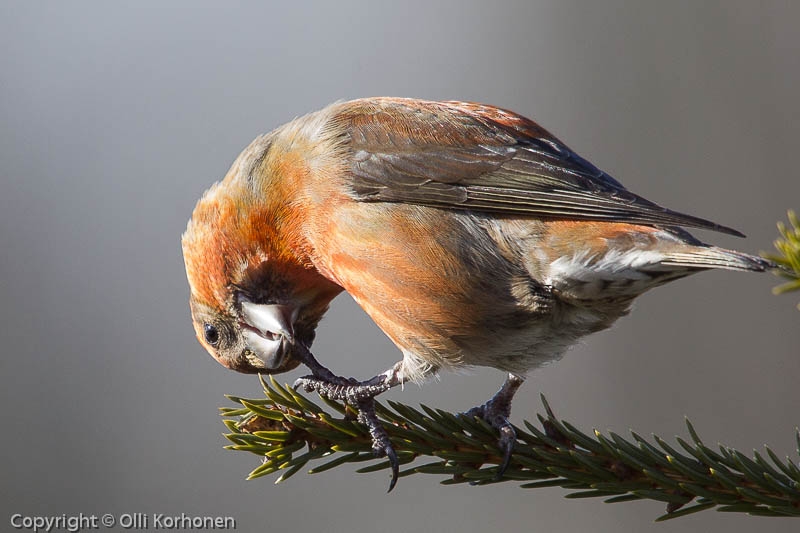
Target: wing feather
456, 155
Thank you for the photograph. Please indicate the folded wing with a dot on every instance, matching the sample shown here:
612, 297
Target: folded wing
456, 155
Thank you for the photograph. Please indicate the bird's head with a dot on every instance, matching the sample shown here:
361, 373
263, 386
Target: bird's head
254, 296
252, 315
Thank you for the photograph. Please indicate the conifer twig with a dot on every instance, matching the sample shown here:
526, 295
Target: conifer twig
290, 431
787, 254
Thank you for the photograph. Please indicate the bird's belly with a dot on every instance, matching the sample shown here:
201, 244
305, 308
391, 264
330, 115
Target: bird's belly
502, 336
471, 293
520, 350
518, 344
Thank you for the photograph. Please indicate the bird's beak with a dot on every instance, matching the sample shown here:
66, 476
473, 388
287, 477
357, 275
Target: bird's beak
268, 331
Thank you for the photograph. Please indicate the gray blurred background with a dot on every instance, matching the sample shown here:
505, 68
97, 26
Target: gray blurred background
115, 118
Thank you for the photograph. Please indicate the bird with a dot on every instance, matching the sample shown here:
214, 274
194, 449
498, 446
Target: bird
468, 233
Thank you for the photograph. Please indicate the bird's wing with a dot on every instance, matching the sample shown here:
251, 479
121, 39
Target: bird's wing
458, 155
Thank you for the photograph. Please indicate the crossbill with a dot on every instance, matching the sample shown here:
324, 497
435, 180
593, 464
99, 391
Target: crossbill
468, 233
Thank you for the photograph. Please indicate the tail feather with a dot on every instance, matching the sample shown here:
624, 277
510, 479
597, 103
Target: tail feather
713, 257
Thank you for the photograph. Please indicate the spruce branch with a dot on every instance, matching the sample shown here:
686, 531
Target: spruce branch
788, 254
290, 431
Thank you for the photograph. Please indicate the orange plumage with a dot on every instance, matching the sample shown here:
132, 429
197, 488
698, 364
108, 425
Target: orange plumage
468, 233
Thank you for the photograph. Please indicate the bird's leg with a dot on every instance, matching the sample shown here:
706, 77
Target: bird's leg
360, 394
496, 412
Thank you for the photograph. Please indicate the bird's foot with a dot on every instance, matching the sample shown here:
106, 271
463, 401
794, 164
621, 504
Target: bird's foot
496, 413
359, 394
498, 419
344, 389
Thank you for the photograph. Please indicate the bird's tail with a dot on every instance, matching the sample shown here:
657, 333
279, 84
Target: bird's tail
703, 257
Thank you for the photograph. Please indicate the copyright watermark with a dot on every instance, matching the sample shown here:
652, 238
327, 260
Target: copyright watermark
130, 521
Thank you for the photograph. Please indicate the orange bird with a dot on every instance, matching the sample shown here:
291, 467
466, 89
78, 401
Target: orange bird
470, 235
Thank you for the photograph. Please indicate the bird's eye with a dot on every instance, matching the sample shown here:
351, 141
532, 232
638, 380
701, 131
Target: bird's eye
211, 333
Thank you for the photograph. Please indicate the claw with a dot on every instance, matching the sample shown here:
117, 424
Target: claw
496, 412
508, 437
391, 455
305, 382
381, 445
